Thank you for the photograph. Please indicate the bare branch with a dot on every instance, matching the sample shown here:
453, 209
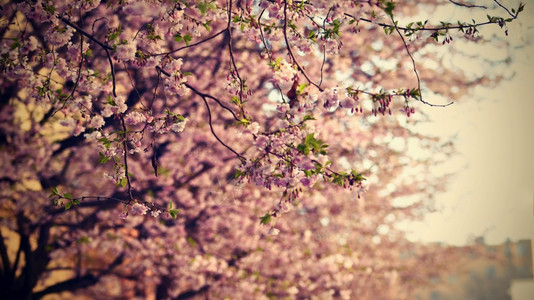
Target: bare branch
291, 52
415, 70
467, 5
191, 45
125, 146
242, 158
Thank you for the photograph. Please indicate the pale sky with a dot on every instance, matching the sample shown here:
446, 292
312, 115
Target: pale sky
493, 192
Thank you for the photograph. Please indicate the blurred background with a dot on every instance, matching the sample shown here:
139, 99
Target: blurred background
489, 200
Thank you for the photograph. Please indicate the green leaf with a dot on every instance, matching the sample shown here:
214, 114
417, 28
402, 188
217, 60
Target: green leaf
174, 213
50, 9
203, 7
235, 100
187, 39
301, 88
83, 240
265, 219
103, 159
358, 176
170, 204
239, 173
53, 192
339, 179
236, 19
68, 205
207, 25
307, 118
302, 148
110, 101
390, 6
15, 44
191, 241
67, 196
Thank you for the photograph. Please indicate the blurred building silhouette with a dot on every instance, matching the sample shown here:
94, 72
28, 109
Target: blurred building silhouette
490, 272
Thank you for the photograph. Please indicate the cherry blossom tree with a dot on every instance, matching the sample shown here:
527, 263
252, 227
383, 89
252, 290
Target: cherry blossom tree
224, 149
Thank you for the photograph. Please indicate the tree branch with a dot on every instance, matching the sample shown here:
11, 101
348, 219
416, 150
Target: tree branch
191, 45
213, 98
467, 5
291, 52
125, 146
415, 70
5, 259
104, 46
68, 285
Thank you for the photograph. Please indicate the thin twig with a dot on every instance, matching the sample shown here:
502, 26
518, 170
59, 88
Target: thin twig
263, 37
291, 52
323, 63
467, 5
159, 69
204, 96
133, 86
506, 9
125, 146
437, 28
324, 46
213, 98
190, 45
92, 38
155, 88
415, 69
269, 55
242, 158
232, 58
71, 95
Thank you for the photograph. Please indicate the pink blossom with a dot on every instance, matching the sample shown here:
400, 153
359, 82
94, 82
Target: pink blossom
121, 104
174, 66
304, 163
322, 159
93, 136
32, 43
283, 108
330, 99
96, 122
180, 126
126, 51
107, 112
67, 122
308, 181
139, 209
134, 118
261, 141
141, 8
58, 36
254, 128
284, 73
273, 231
348, 103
